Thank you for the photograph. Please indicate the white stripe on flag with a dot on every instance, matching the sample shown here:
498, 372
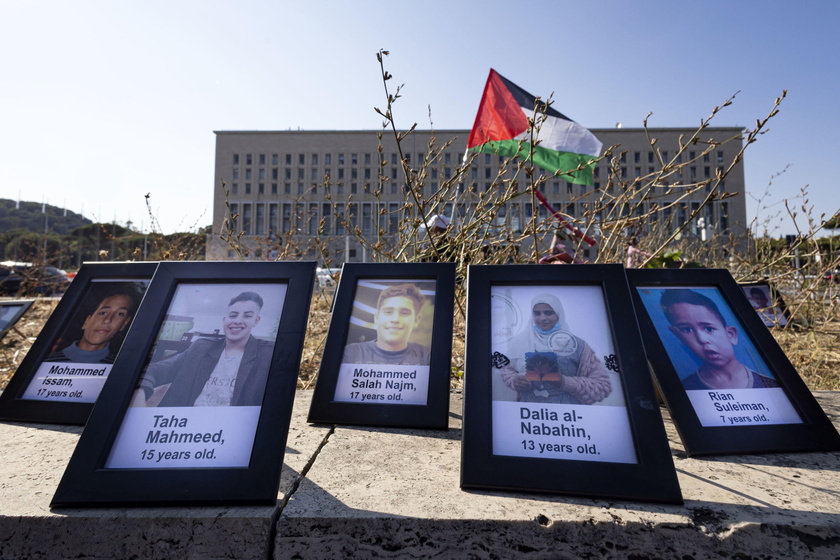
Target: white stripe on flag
566, 136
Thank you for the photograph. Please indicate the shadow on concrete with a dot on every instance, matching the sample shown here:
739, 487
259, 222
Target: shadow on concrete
320, 526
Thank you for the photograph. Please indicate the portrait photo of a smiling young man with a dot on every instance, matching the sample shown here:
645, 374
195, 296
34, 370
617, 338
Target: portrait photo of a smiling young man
387, 348
215, 351
397, 316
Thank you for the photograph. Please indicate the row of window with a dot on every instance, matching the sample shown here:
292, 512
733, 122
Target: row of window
390, 187
317, 174
679, 174
321, 175
261, 159
325, 218
393, 187
319, 178
447, 158
692, 155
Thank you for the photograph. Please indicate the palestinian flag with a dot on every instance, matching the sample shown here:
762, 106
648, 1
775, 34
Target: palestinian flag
502, 124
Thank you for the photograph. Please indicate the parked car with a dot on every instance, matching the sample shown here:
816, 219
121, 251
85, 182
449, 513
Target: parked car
10, 281
23, 278
832, 276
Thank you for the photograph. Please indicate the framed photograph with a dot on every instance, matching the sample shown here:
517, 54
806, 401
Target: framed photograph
64, 371
198, 408
557, 396
767, 302
387, 356
729, 386
10, 312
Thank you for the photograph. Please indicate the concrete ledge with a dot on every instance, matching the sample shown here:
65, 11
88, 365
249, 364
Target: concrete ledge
389, 493
34, 458
385, 493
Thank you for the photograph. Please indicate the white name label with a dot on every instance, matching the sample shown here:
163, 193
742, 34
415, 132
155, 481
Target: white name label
563, 431
743, 407
67, 382
185, 437
382, 383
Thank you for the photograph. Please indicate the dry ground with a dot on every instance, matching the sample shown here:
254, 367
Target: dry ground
814, 352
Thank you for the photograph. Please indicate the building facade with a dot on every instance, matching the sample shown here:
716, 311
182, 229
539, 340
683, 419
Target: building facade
273, 187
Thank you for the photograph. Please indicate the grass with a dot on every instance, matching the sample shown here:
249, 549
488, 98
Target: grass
815, 353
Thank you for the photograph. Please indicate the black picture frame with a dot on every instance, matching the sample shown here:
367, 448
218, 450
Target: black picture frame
791, 419
767, 302
636, 464
334, 401
92, 282
10, 313
97, 476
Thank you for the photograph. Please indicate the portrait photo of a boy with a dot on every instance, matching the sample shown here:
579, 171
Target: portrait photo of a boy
713, 360
705, 341
768, 305
699, 325
214, 348
107, 319
391, 323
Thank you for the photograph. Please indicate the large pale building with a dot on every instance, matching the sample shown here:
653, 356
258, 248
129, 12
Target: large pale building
274, 186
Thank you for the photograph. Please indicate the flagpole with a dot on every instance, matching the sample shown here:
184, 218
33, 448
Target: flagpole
532, 131
563, 223
46, 229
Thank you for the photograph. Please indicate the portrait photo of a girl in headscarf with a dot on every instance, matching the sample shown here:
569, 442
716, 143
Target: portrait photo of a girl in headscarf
551, 344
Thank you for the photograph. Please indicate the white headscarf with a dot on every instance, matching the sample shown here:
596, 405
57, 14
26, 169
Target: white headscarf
540, 338
554, 303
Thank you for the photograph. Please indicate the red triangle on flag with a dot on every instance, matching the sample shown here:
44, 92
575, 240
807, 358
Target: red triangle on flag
499, 115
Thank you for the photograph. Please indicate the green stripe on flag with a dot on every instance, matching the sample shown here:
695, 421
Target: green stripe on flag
550, 160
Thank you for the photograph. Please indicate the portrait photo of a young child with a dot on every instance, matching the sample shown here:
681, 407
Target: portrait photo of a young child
705, 341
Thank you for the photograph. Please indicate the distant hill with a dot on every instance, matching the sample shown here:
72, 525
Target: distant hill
30, 218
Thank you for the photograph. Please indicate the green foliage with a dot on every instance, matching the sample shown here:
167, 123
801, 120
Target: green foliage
30, 218
71, 240
670, 259
20, 242
833, 222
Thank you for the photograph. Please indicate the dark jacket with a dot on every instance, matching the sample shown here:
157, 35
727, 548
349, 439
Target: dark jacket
189, 371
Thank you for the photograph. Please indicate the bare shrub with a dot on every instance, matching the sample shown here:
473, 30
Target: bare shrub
652, 220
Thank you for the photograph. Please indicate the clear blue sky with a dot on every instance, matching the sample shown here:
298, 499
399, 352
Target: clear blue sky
103, 102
